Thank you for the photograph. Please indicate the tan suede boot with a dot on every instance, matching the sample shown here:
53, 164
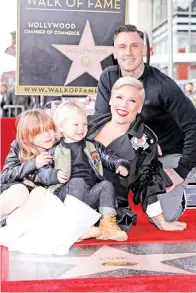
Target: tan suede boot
92, 232
110, 230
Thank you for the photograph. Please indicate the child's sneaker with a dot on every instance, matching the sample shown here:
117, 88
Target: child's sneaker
110, 230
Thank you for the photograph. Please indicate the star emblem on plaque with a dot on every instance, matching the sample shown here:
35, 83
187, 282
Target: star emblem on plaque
86, 56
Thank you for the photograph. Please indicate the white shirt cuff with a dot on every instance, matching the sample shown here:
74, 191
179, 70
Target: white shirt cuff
154, 209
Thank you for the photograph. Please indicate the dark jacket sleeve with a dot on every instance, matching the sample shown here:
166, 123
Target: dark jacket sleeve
47, 175
10, 98
27, 102
13, 169
110, 160
103, 94
183, 112
150, 179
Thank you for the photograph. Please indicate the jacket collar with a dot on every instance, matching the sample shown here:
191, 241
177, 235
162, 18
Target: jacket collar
68, 145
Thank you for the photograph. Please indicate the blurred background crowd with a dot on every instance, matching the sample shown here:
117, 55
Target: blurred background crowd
12, 105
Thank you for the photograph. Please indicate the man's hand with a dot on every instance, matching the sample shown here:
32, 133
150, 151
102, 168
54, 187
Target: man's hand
122, 171
43, 159
160, 222
175, 178
62, 177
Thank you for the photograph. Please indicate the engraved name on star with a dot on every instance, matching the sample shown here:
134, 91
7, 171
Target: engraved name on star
111, 259
86, 56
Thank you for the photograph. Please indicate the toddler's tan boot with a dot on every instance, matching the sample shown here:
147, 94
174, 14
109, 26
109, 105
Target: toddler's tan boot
110, 230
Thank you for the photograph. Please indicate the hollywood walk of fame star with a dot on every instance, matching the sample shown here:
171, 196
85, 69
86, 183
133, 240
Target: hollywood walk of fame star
86, 56
111, 259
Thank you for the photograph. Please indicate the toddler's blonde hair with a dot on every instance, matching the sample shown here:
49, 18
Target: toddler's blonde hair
64, 111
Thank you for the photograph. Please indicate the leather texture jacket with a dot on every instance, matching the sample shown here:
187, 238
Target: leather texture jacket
98, 156
146, 179
14, 171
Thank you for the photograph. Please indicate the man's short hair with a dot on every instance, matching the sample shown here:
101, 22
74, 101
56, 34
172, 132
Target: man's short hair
126, 28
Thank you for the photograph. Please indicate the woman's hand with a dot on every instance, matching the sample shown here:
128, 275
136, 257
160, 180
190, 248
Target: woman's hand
122, 171
62, 177
43, 159
160, 222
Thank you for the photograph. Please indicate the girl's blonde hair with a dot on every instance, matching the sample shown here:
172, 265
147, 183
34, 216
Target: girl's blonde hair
28, 125
128, 80
66, 110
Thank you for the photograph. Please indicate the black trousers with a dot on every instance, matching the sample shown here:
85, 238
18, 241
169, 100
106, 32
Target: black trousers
101, 196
